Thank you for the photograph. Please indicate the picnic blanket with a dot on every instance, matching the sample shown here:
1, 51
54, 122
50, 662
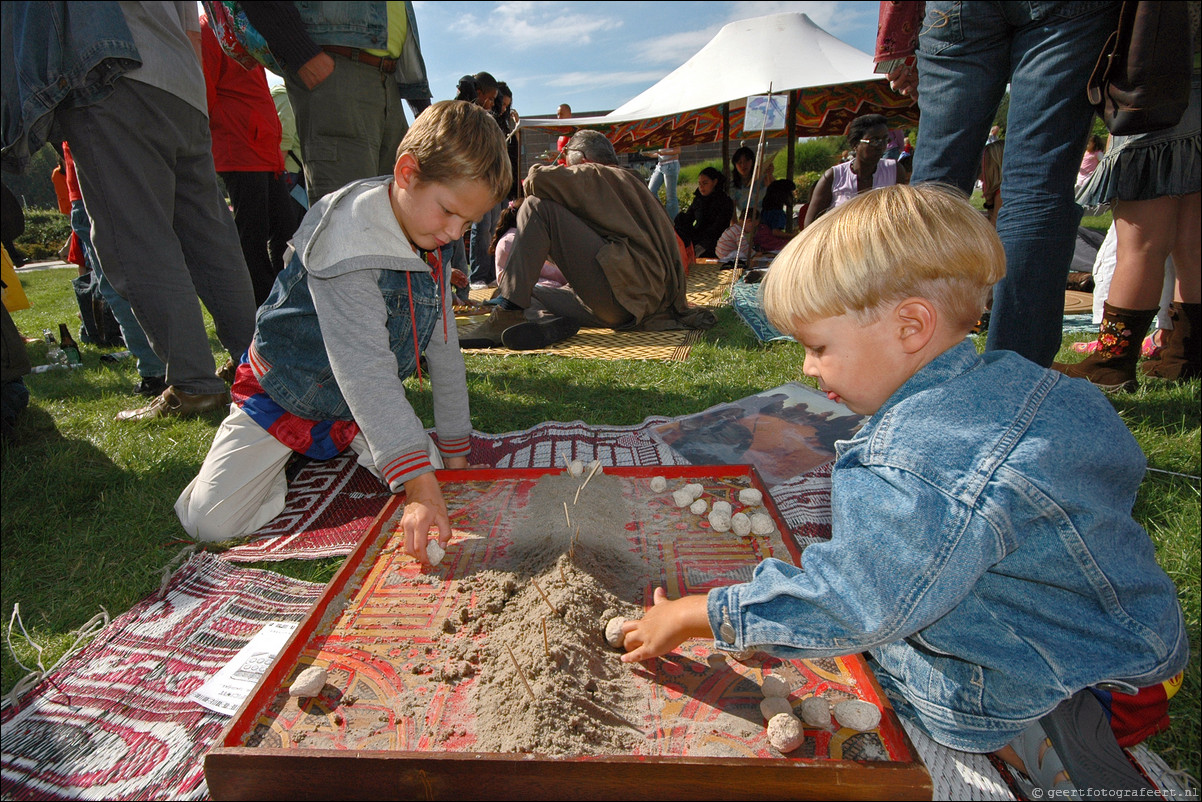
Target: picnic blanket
705, 288
745, 298
114, 720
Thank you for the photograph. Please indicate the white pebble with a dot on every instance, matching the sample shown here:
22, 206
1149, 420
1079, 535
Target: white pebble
784, 732
775, 705
695, 488
723, 507
698, 507
762, 524
682, 497
774, 686
658, 484
719, 522
857, 715
613, 632
816, 712
435, 552
751, 497
308, 683
575, 468
595, 466
740, 524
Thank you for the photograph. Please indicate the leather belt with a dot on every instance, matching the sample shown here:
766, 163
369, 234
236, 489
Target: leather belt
385, 65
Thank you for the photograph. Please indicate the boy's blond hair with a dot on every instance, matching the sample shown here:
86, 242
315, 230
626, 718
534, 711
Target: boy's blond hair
456, 141
886, 245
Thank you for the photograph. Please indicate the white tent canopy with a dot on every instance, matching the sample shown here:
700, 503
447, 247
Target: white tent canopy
781, 51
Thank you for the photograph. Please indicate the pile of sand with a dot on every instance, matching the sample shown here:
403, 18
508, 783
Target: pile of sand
572, 696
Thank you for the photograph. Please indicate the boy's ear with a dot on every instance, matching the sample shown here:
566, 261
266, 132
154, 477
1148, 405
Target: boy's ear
405, 172
916, 320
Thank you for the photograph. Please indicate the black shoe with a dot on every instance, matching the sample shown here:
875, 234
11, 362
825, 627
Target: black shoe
151, 386
540, 333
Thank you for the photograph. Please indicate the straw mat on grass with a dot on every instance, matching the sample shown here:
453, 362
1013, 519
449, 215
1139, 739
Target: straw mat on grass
705, 288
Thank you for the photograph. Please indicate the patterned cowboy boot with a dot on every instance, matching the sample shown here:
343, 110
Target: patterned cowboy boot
1180, 358
1112, 366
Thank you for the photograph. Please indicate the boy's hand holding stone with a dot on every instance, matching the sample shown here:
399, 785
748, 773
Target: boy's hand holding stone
665, 626
424, 508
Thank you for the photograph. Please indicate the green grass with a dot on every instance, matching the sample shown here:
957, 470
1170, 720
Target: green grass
87, 518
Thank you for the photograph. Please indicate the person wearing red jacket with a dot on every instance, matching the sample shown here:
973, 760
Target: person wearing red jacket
246, 152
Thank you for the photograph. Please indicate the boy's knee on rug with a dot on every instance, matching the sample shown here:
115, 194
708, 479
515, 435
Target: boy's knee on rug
209, 512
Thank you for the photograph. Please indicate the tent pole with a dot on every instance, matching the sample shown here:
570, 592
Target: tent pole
791, 133
726, 142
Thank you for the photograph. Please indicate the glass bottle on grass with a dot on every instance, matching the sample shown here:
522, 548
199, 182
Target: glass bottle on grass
53, 352
69, 347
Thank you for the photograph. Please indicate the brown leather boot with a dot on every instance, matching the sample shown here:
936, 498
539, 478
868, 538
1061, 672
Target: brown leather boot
1112, 366
1181, 356
177, 403
487, 334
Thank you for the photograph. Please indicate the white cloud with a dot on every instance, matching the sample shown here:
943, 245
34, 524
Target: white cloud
528, 24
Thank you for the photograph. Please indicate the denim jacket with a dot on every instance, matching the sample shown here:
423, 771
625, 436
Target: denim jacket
361, 24
51, 55
982, 551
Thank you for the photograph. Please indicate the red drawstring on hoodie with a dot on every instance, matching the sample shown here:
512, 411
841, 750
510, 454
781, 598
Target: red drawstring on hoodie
434, 259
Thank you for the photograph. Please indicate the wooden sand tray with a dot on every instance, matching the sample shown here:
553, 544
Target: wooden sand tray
488, 676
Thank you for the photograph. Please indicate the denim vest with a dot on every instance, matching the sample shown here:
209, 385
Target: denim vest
56, 54
982, 550
363, 24
289, 348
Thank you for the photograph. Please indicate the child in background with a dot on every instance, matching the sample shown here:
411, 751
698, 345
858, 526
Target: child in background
982, 547
502, 244
363, 297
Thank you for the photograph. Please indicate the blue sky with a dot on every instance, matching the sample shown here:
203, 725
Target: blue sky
594, 55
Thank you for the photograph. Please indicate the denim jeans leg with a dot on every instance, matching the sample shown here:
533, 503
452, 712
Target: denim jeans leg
484, 268
656, 181
963, 68
671, 172
1047, 127
149, 363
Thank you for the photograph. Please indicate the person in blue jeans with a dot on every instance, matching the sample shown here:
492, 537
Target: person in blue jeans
667, 169
967, 54
982, 547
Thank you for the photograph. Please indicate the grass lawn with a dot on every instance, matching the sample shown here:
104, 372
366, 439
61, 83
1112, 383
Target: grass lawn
87, 518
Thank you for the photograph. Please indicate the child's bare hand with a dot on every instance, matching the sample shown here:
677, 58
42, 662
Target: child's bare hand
665, 626
424, 509
458, 278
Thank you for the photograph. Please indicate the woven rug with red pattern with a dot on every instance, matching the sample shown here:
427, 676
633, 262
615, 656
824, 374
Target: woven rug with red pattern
115, 721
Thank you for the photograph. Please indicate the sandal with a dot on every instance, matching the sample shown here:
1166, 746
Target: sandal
1076, 739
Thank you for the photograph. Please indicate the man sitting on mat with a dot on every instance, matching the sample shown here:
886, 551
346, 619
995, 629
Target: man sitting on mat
614, 243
